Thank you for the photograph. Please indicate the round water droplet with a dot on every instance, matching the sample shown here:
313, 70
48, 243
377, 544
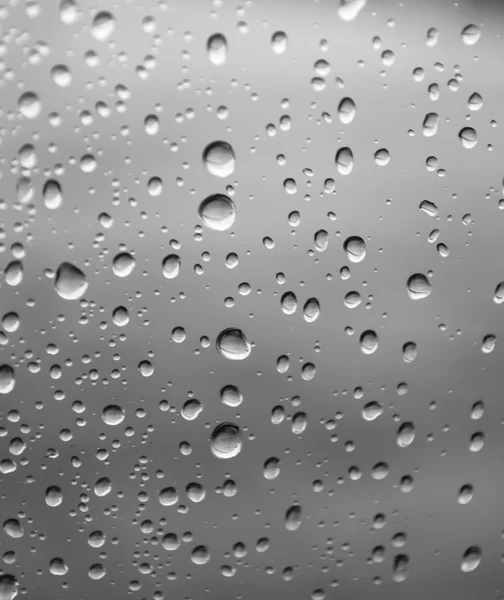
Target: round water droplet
279, 42
418, 286
57, 566
168, 496
369, 342
382, 157
103, 487
475, 102
233, 345
70, 282
226, 441
120, 316
61, 75
53, 496
308, 371
171, 266
52, 195
219, 159
468, 137
471, 559
346, 110
123, 264
355, 249
217, 212
217, 49
103, 26
352, 299
271, 469
344, 161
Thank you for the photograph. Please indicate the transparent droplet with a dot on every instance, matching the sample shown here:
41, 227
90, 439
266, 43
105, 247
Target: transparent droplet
418, 286
52, 194
344, 161
233, 345
409, 351
123, 264
349, 9
271, 469
475, 102
369, 342
279, 42
29, 105
171, 266
468, 137
168, 496
14, 273
289, 303
217, 212
352, 299
57, 566
311, 310
70, 282
219, 159
293, 518
103, 26
13, 528
488, 344
471, 34
372, 410
120, 316
191, 409
226, 441
231, 396
382, 157
103, 487
217, 49
113, 414
405, 435
430, 124
299, 423
355, 249
53, 496
7, 379
471, 559
61, 75
9, 587
346, 110
200, 555
321, 240
465, 494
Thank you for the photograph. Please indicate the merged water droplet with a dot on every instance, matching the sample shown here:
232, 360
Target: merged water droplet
405, 434
293, 518
70, 282
233, 345
52, 194
226, 441
488, 344
217, 212
9, 587
418, 286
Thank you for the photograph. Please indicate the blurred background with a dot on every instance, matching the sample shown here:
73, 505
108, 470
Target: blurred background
325, 180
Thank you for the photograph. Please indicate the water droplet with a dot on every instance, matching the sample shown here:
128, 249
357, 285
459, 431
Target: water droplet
344, 161
488, 344
219, 159
401, 568
61, 75
13, 528
123, 264
103, 487
405, 434
382, 157
217, 49
465, 494
168, 496
321, 240
471, 559
226, 441
53, 496
171, 266
349, 9
103, 26
299, 423
468, 137
217, 212
29, 105
293, 518
231, 396
200, 555
70, 282
430, 124
289, 303
191, 409
311, 310
52, 194
14, 273
9, 587
475, 102
120, 316
369, 342
355, 249
409, 351
233, 345
57, 566
279, 42
113, 415
418, 286
7, 379
471, 34
372, 410
346, 110
271, 469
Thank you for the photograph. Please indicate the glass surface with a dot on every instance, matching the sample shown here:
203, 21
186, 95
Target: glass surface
252, 291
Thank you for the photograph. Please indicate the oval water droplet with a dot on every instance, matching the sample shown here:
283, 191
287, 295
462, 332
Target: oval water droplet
369, 342
103, 26
468, 137
471, 559
233, 345
471, 34
217, 212
171, 266
344, 161
123, 264
346, 110
355, 249
7, 379
217, 49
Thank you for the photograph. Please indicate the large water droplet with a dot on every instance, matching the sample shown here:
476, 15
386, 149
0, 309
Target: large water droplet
52, 195
468, 137
418, 286
9, 587
219, 159
103, 26
233, 344
471, 559
70, 282
123, 264
29, 105
171, 266
113, 415
7, 379
226, 441
355, 249
369, 342
471, 34
346, 110
217, 49
349, 9
217, 212
293, 518
279, 42
344, 161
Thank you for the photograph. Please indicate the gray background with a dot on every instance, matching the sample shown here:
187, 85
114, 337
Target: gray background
380, 204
